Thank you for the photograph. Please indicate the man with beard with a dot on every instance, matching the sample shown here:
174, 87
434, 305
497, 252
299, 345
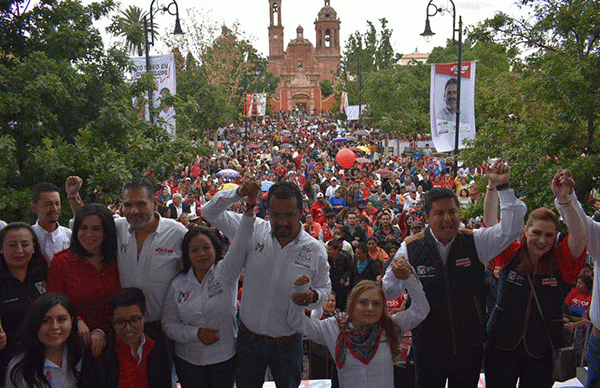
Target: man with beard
278, 253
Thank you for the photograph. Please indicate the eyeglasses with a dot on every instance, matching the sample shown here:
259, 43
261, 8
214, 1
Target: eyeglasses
134, 321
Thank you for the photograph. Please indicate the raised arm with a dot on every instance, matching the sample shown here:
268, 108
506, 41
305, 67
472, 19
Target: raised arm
562, 187
73, 184
490, 241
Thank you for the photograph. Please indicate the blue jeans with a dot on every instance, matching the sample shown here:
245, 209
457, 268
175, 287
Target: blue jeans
592, 355
254, 355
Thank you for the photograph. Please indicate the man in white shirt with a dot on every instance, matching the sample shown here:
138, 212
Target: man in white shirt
45, 202
281, 252
330, 192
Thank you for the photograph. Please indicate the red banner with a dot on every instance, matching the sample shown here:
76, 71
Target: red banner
451, 69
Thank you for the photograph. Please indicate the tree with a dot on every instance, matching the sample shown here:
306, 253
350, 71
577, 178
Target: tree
129, 25
65, 107
326, 88
373, 50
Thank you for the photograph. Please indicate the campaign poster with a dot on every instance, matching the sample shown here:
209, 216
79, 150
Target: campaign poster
255, 104
443, 104
163, 69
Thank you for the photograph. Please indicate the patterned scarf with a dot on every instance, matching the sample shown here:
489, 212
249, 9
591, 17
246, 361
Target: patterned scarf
361, 265
362, 342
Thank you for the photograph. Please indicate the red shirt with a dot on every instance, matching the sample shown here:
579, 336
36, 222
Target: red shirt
568, 265
132, 374
88, 289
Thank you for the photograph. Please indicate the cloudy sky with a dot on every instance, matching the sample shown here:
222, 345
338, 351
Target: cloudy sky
406, 18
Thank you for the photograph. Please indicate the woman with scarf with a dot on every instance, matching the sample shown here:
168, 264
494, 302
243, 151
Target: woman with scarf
365, 342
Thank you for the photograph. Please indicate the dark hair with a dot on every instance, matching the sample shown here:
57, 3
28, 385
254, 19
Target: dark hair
587, 279
163, 210
140, 183
330, 215
334, 243
285, 190
362, 246
38, 259
30, 368
451, 81
436, 194
129, 296
372, 238
40, 188
109, 243
185, 245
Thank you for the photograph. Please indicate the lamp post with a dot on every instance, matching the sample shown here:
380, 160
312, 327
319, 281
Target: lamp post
427, 34
149, 30
345, 67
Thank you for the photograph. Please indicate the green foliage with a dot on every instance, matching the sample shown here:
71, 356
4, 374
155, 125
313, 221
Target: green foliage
129, 25
65, 108
326, 88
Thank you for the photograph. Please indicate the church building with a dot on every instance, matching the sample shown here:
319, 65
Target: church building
302, 66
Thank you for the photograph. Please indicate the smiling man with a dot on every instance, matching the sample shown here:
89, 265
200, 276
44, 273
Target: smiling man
280, 251
449, 262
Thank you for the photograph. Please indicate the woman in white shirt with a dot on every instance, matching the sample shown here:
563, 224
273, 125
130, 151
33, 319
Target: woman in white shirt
199, 312
48, 351
364, 343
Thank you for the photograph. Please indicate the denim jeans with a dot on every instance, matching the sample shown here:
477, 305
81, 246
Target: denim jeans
254, 355
592, 356
219, 375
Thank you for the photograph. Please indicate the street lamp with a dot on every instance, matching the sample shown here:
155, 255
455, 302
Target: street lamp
149, 28
427, 34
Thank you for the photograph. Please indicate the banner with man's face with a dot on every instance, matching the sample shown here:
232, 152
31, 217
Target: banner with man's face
163, 69
255, 104
443, 104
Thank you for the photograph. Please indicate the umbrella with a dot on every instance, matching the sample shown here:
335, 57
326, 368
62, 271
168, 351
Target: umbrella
363, 160
266, 185
339, 139
383, 172
350, 138
228, 173
285, 132
229, 185
364, 148
356, 149
257, 135
285, 145
361, 132
252, 146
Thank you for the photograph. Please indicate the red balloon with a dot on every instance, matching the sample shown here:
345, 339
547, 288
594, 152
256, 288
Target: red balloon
345, 158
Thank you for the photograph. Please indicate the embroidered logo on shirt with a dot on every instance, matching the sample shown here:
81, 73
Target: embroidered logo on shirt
259, 247
41, 287
515, 278
550, 282
214, 288
183, 296
164, 250
466, 262
425, 271
304, 258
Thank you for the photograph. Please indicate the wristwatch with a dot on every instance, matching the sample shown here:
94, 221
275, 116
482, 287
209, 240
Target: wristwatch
315, 296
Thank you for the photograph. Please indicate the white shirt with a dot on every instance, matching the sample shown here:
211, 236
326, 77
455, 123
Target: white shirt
593, 249
379, 373
489, 242
270, 269
330, 192
52, 242
158, 264
211, 304
58, 376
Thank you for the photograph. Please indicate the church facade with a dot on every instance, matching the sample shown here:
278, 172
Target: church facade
303, 65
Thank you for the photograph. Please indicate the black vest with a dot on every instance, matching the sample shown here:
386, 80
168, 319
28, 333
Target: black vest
516, 315
455, 292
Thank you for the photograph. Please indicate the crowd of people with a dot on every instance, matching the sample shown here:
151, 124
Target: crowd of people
219, 271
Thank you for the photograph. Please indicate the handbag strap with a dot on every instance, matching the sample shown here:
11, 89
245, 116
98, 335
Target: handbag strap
537, 302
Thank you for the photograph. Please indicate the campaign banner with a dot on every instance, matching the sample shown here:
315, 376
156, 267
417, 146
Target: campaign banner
443, 104
163, 69
255, 104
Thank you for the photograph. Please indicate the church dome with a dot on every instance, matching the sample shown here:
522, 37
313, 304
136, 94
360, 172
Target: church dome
327, 12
